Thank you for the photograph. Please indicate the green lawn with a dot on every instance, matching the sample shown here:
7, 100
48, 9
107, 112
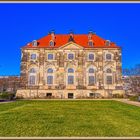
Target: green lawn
69, 118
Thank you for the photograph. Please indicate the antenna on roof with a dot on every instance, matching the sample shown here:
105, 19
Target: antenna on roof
71, 31
51, 31
91, 31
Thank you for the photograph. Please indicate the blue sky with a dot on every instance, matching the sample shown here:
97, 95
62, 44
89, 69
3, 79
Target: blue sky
22, 23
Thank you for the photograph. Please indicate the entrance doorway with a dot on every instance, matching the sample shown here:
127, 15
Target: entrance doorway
70, 95
48, 95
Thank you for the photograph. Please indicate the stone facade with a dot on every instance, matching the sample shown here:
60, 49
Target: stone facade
70, 70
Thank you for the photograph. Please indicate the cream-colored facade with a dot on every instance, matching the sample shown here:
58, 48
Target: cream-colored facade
70, 71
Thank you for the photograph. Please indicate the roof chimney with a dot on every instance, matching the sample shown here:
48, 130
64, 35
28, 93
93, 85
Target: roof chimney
90, 34
53, 35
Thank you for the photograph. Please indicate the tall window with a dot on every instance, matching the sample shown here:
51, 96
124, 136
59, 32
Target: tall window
32, 76
70, 76
50, 56
33, 56
91, 76
108, 57
109, 78
32, 80
70, 56
70, 79
91, 56
50, 76
50, 80
91, 80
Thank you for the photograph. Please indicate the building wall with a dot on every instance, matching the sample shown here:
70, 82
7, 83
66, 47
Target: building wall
60, 64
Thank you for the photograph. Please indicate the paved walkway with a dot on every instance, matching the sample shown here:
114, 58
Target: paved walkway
129, 102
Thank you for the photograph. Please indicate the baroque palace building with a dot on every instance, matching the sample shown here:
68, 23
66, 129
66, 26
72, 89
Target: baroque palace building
70, 66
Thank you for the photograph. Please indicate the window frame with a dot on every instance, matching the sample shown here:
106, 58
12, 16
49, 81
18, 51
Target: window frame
69, 54
90, 41
93, 56
93, 74
51, 41
50, 74
108, 80
110, 55
33, 58
70, 74
48, 56
30, 74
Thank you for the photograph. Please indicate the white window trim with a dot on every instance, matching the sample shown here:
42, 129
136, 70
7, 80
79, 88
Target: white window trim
91, 74
111, 56
88, 56
68, 55
108, 74
50, 74
31, 55
32, 74
51, 59
70, 74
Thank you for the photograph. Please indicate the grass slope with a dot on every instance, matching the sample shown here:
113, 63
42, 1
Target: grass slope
69, 118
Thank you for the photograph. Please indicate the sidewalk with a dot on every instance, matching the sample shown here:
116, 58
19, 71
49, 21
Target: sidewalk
129, 102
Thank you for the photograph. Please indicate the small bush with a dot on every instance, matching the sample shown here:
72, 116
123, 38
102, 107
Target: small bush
133, 98
118, 95
7, 96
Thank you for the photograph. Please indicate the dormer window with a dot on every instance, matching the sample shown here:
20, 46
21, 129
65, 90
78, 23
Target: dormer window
71, 37
51, 43
34, 43
90, 43
107, 43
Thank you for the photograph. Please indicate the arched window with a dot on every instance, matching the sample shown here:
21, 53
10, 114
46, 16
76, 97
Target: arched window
32, 76
50, 70
32, 70
91, 70
91, 76
108, 56
70, 70
70, 76
50, 76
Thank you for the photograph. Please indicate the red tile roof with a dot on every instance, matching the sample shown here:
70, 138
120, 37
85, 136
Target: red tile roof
80, 39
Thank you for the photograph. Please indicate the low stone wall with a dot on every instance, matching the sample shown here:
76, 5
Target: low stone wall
64, 93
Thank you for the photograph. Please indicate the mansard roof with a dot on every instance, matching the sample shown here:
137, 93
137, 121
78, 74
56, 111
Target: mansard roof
80, 39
